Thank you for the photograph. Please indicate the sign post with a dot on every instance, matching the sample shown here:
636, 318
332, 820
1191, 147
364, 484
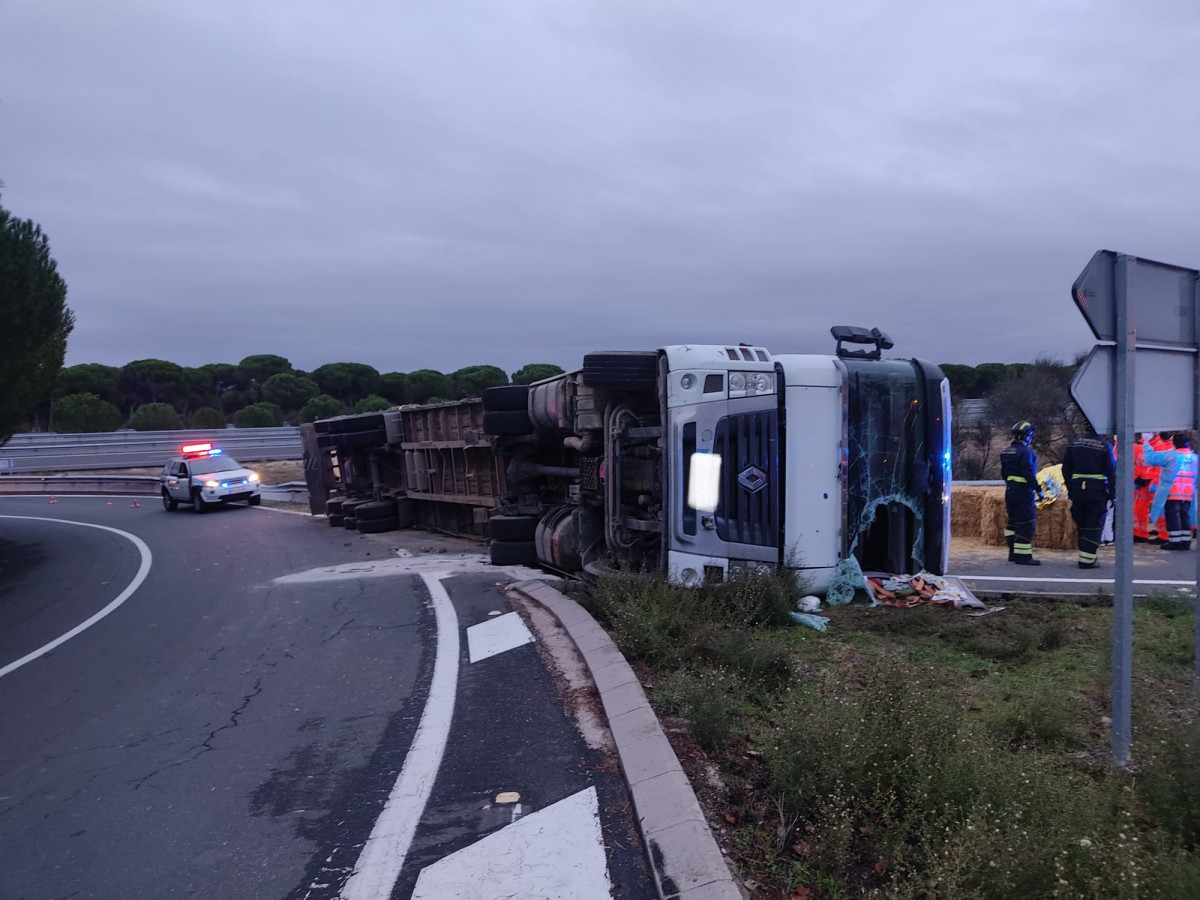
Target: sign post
1144, 314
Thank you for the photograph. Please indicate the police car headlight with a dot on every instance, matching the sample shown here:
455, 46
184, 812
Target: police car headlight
254, 476
212, 484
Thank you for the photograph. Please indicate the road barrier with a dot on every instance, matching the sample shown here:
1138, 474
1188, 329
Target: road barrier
122, 485
43, 452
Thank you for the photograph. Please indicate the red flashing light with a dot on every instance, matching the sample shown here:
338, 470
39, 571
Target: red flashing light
195, 448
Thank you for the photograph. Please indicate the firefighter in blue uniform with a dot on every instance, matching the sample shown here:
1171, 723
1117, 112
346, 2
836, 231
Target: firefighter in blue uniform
1089, 471
1018, 467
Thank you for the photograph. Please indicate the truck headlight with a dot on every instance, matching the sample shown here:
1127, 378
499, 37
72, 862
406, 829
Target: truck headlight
749, 384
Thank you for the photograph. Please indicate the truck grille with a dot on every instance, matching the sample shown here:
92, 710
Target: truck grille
750, 480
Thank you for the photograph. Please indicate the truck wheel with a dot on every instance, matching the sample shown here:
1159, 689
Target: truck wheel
513, 553
620, 369
378, 526
350, 523
198, 504
512, 528
507, 422
169, 503
335, 520
333, 506
349, 506
378, 509
506, 398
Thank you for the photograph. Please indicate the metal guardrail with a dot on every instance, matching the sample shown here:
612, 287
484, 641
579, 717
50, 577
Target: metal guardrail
147, 485
123, 486
130, 449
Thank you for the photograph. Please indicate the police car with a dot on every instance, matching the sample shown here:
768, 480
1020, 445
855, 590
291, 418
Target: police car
202, 476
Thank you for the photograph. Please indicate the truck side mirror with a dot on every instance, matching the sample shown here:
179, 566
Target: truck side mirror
704, 482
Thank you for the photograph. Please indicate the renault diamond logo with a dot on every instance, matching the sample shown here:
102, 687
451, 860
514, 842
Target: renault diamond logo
753, 479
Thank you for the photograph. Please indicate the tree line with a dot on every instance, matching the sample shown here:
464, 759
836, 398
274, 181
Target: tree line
260, 391
1002, 395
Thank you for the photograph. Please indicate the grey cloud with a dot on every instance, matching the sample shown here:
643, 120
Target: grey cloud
439, 185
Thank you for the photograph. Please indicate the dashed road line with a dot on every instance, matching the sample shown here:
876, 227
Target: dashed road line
498, 635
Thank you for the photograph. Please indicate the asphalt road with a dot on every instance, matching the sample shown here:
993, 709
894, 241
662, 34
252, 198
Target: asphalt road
986, 571
234, 720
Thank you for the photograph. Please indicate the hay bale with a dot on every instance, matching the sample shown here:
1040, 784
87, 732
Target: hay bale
965, 506
993, 517
1055, 529
979, 512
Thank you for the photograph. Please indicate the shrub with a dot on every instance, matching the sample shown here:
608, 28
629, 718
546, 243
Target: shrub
155, 417
206, 417
322, 406
85, 414
259, 415
371, 403
709, 699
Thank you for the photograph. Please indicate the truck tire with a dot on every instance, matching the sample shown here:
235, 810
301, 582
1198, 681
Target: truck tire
378, 526
350, 523
507, 422
506, 398
377, 509
335, 520
512, 528
349, 506
513, 553
333, 505
620, 369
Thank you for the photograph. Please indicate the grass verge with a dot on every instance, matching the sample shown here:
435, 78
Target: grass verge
921, 753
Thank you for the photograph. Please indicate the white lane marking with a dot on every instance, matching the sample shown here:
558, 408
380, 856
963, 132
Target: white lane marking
497, 636
290, 512
1063, 580
142, 572
556, 853
384, 853
441, 565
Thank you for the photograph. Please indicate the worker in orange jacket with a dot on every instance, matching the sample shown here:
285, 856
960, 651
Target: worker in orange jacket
1143, 496
1158, 443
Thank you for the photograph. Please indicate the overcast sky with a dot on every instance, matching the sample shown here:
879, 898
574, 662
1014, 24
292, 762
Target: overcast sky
441, 183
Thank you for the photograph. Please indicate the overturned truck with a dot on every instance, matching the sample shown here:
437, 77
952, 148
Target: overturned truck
703, 462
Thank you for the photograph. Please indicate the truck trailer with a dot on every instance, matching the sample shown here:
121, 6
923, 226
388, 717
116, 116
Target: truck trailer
703, 462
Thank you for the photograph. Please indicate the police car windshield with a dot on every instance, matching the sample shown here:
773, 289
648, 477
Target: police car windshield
213, 464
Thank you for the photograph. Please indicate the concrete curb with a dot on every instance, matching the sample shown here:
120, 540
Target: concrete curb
687, 862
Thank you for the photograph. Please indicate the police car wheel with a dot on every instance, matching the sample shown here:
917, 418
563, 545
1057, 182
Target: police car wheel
198, 504
256, 499
169, 504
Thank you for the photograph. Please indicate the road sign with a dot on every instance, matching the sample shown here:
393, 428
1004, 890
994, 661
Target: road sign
1144, 379
1162, 389
1161, 297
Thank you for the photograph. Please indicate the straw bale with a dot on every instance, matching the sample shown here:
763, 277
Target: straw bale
965, 507
978, 512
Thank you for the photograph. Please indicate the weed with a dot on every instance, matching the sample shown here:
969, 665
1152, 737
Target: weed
1032, 713
1169, 605
709, 699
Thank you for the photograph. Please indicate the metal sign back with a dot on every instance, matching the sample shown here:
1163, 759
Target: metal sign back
1162, 389
1161, 298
